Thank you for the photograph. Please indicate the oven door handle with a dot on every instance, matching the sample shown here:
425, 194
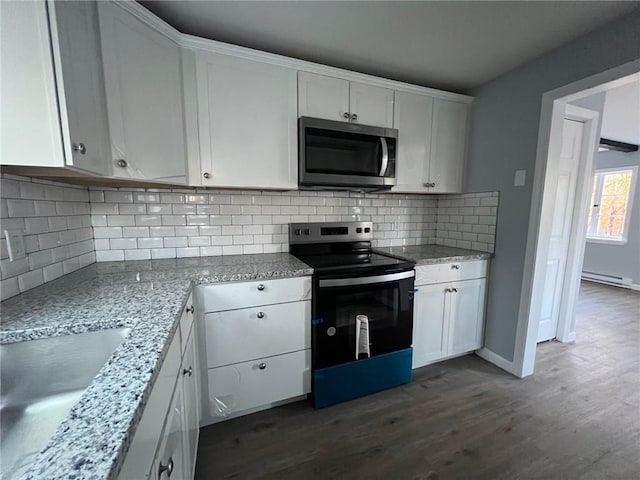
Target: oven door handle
385, 157
347, 282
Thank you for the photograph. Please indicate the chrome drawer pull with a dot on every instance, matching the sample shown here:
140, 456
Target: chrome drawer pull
262, 366
260, 287
166, 468
455, 267
260, 314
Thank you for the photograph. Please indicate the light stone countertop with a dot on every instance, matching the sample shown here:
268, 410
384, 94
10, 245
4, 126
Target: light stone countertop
91, 443
430, 254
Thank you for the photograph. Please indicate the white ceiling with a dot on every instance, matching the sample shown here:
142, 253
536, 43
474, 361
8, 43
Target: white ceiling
621, 116
454, 45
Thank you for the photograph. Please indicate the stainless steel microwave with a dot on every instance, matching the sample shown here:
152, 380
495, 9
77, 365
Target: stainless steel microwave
341, 155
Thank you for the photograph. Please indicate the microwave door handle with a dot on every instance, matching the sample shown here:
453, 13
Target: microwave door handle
385, 156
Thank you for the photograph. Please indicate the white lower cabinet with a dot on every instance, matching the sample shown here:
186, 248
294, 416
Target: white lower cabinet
258, 346
170, 462
247, 385
165, 442
466, 316
448, 316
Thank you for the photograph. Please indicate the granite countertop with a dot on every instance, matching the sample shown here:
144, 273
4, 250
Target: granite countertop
149, 296
430, 254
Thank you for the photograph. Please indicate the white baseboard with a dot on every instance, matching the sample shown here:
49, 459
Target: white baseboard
498, 361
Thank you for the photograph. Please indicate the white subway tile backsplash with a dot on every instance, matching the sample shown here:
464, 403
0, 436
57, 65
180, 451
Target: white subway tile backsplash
467, 221
118, 197
139, 254
109, 255
77, 226
150, 242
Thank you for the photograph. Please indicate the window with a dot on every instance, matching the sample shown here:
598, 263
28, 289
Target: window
611, 202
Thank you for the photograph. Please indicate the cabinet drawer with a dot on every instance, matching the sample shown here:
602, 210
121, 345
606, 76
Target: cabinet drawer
450, 272
229, 296
241, 335
242, 386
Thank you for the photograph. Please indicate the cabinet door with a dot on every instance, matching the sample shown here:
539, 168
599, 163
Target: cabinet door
412, 117
170, 461
75, 38
466, 316
27, 88
191, 386
320, 96
239, 335
371, 105
247, 120
448, 145
430, 327
143, 80
236, 388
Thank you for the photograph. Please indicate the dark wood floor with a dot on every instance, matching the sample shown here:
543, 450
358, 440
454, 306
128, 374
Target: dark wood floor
577, 417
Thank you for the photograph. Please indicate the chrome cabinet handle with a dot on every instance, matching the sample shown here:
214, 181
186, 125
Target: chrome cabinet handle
455, 290
190, 309
206, 175
188, 371
166, 468
429, 184
260, 315
354, 117
448, 290
455, 267
121, 163
262, 366
80, 148
345, 115
260, 287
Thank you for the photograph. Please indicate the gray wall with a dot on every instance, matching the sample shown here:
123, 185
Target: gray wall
504, 133
622, 260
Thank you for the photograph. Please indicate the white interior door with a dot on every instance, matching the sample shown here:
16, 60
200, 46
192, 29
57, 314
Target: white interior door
565, 172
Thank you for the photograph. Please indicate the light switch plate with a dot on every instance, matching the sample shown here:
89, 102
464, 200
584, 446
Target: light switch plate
15, 244
519, 178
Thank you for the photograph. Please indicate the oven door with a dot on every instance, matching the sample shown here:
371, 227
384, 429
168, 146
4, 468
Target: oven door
387, 302
343, 154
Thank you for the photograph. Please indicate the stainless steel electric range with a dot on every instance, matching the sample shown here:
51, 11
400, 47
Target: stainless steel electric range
362, 311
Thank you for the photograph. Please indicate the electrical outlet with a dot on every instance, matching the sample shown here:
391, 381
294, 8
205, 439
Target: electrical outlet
15, 244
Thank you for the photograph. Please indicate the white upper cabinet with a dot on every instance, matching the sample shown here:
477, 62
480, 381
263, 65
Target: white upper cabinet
247, 122
30, 123
143, 80
79, 77
432, 135
412, 117
332, 98
371, 105
320, 96
53, 102
448, 145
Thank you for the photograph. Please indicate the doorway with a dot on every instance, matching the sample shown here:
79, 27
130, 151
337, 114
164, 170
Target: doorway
555, 245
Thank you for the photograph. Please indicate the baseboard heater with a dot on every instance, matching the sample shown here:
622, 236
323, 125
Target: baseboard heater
614, 280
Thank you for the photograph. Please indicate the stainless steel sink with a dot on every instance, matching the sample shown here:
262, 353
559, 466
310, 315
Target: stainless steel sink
40, 380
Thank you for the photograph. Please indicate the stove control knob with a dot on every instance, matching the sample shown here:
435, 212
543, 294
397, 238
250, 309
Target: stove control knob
297, 231
359, 230
307, 231
367, 230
